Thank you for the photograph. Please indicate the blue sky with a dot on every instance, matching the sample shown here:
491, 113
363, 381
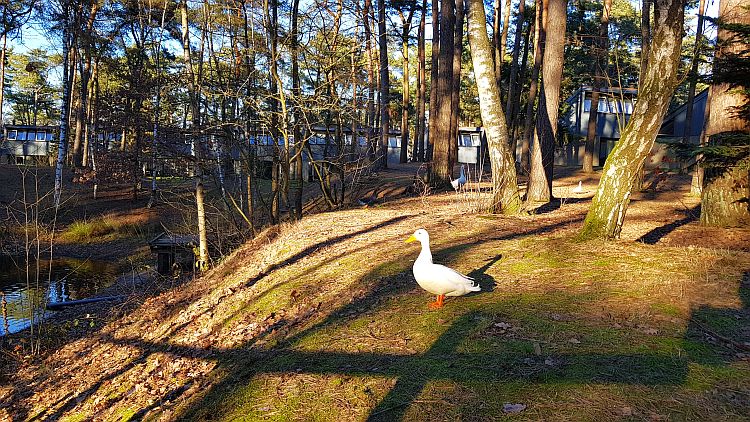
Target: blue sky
34, 36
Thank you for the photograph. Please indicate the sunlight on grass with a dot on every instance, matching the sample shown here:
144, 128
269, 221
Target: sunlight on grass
596, 335
100, 229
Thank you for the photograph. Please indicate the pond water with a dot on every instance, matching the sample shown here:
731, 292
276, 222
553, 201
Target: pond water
71, 279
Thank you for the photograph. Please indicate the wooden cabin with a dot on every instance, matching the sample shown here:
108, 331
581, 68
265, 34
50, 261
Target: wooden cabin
614, 110
24, 144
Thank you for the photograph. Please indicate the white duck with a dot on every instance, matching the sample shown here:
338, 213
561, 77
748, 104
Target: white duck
435, 278
579, 188
461, 181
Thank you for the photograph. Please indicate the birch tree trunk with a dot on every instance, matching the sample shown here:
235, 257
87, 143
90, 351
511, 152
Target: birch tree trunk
725, 201
65, 112
610, 203
600, 50
505, 186
202, 261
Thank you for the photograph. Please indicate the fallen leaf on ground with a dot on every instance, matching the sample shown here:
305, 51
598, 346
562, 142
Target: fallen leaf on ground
513, 407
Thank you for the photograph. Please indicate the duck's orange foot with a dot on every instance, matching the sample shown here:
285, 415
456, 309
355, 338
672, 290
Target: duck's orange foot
437, 304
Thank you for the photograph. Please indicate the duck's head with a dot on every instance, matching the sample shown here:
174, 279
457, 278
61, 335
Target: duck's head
420, 235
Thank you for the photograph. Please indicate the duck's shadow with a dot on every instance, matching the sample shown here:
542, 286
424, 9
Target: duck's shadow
485, 281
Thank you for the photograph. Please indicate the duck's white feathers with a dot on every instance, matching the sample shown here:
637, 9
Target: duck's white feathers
441, 280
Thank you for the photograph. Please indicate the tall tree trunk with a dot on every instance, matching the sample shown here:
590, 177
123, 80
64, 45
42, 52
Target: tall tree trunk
645, 38
456, 83
422, 87
2, 80
249, 159
442, 167
505, 197
64, 113
504, 35
297, 129
540, 178
385, 85
157, 111
496, 31
405, 30
513, 83
89, 131
600, 49
202, 259
697, 183
533, 87
371, 79
271, 8
725, 201
610, 203
434, 66
515, 100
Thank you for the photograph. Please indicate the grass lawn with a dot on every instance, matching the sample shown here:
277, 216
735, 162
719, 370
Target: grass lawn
322, 320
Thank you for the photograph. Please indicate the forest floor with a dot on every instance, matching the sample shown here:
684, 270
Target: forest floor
322, 320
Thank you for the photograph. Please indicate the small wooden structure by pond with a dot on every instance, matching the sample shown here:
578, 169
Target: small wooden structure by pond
169, 246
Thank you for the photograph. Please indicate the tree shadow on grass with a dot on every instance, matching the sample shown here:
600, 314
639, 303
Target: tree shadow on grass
557, 203
444, 360
654, 236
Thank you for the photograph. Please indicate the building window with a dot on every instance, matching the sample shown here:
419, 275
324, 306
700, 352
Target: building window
12, 134
40, 136
21, 135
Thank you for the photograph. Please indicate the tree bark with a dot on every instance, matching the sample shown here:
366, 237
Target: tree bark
2, 80
645, 38
515, 105
385, 85
297, 113
505, 187
64, 113
442, 167
600, 49
432, 130
697, 183
202, 259
513, 84
371, 79
533, 87
496, 31
456, 84
542, 163
405, 30
504, 35
610, 203
725, 201
422, 87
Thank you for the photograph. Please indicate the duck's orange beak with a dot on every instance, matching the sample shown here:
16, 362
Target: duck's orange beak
411, 239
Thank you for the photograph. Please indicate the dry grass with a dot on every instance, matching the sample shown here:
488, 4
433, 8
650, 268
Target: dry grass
321, 320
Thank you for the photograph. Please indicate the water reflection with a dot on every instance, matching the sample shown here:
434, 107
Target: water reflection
71, 279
